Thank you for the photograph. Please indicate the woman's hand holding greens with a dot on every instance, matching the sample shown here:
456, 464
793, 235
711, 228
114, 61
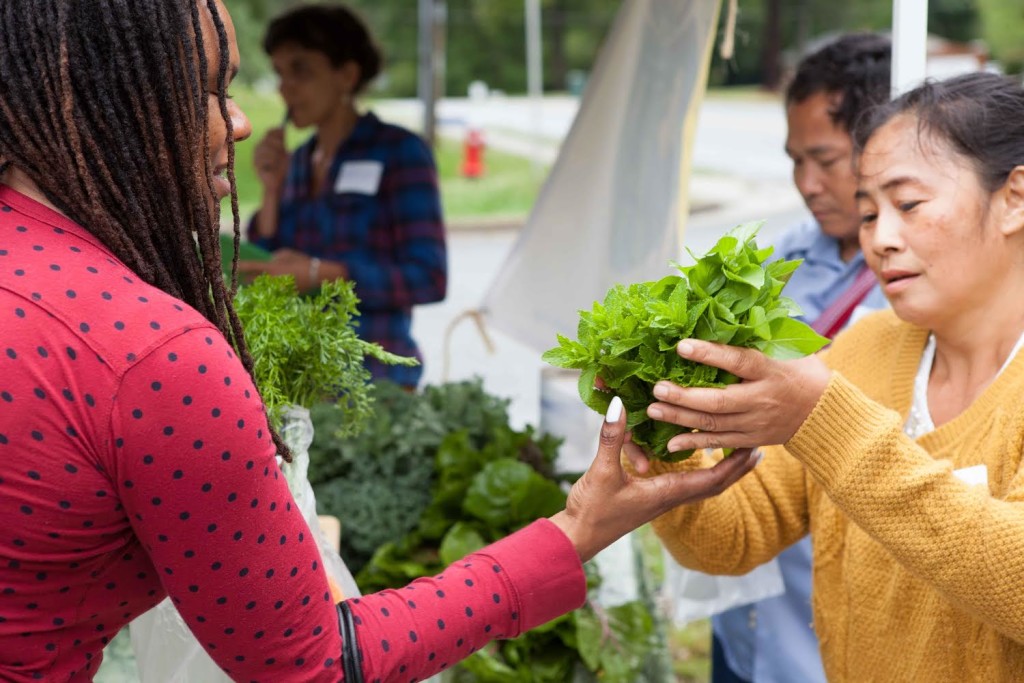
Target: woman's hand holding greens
767, 407
608, 502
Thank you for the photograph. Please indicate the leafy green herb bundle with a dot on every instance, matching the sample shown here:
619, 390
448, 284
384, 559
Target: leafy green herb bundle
730, 296
305, 349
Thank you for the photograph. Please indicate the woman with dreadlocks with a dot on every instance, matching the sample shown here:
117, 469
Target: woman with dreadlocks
135, 456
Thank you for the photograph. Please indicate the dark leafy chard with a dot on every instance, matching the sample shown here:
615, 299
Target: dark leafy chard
731, 295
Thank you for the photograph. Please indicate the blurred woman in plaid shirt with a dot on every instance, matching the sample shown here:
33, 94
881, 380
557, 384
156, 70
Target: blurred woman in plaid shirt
360, 199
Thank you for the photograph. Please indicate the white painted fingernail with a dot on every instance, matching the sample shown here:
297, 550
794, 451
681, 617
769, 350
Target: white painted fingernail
758, 456
614, 410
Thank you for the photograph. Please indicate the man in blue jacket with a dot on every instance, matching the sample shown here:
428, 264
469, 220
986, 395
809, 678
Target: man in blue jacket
773, 641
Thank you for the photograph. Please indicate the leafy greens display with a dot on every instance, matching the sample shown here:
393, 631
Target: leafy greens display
438, 474
731, 295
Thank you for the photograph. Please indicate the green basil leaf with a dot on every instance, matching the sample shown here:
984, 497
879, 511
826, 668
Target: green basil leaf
791, 339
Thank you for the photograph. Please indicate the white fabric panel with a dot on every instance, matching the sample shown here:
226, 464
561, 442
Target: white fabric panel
612, 208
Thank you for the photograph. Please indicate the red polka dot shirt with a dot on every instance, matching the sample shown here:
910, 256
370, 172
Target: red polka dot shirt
135, 462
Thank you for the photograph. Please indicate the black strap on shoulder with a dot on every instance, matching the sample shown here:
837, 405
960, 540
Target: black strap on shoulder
351, 662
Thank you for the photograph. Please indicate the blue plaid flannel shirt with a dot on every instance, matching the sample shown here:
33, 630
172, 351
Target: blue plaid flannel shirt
391, 242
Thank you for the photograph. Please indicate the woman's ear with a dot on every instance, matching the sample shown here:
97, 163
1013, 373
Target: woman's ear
1013, 196
350, 75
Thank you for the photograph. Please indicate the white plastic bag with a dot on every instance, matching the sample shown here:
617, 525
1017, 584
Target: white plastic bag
165, 649
690, 595
167, 652
297, 432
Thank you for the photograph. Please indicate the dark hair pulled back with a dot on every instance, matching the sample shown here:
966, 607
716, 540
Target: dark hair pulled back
979, 115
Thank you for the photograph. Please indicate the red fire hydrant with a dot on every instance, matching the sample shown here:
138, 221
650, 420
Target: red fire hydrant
473, 154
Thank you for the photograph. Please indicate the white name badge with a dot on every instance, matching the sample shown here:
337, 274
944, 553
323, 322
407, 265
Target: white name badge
360, 177
975, 476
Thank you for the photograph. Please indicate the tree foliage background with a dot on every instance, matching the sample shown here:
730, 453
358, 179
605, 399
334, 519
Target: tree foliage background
486, 38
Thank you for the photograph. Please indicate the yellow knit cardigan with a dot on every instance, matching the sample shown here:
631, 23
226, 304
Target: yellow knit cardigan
918, 576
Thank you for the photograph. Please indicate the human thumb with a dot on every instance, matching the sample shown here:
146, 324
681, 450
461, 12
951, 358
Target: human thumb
613, 433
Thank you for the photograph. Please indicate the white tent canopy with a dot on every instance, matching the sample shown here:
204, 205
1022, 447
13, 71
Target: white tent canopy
615, 203
614, 208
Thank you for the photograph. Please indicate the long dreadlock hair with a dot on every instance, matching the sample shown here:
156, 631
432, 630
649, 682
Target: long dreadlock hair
105, 109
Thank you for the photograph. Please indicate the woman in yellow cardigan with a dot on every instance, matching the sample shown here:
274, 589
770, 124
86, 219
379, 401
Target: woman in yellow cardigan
902, 445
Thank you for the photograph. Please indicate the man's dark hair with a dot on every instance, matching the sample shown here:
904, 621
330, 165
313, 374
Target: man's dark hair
106, 110
855, 66
333, 30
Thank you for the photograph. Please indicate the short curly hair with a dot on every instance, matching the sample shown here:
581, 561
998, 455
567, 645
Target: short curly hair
333, 30
856, 66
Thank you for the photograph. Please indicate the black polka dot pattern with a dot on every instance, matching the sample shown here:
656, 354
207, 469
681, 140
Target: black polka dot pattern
104, 460
135, 462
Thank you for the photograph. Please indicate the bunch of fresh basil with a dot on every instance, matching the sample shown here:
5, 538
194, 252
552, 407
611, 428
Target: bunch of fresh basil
731, 295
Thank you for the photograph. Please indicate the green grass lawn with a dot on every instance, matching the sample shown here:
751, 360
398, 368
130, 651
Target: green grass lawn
507, 189
752, 93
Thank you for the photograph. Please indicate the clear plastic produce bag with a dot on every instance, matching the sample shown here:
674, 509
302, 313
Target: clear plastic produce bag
690, 595
165, 649
297, 432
